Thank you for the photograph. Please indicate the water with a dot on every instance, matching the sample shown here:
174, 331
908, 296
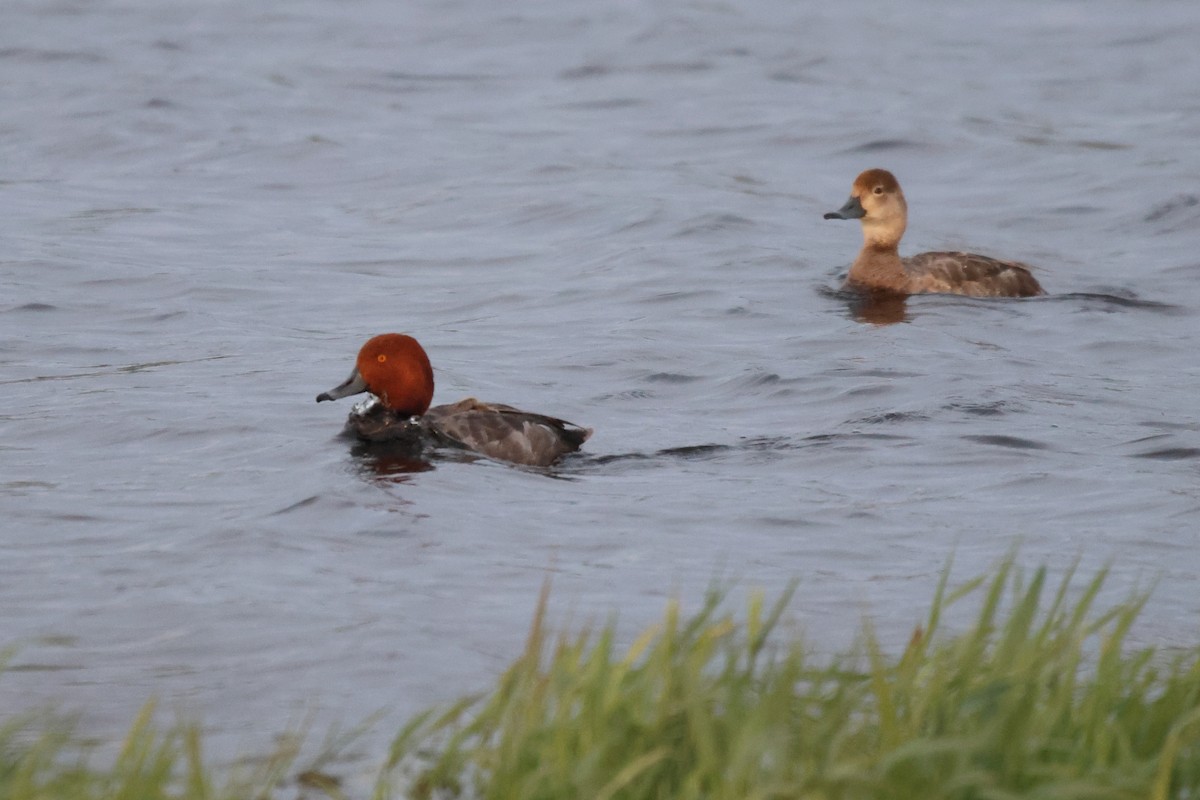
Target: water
606, 212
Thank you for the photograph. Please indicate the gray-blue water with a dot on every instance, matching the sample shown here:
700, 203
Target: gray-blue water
609, 212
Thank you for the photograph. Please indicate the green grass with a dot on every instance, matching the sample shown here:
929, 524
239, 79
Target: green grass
41, 759
1041, 697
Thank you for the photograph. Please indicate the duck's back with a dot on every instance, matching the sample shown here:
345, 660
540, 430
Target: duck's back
970, 274
506, 433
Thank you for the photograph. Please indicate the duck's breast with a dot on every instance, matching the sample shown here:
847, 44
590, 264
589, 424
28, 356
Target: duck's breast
506, 433
372, 421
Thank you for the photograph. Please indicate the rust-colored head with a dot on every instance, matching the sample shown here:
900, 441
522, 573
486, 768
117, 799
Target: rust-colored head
877, 201
394, 368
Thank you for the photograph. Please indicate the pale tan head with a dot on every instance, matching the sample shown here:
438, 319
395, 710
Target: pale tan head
876, 200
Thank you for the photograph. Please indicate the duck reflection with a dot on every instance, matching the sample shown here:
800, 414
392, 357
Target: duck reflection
878, 308
395, 462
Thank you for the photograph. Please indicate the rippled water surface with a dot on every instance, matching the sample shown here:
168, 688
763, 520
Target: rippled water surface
609, 212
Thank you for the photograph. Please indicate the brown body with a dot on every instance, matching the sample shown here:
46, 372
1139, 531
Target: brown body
877, 201
395, 369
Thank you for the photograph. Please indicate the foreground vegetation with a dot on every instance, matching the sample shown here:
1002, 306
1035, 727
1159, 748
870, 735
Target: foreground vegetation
1041, 697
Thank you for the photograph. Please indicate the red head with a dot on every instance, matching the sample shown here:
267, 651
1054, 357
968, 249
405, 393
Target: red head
394, 368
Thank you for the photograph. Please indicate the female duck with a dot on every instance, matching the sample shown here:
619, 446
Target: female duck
876, 199
395, 369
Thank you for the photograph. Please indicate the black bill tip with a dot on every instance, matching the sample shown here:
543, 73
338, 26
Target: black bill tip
851, 210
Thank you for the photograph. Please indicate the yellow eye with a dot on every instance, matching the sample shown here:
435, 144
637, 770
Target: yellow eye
381, 358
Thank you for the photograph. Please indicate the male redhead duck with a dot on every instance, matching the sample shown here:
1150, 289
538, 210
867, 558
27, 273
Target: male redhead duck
876, 199
395, 369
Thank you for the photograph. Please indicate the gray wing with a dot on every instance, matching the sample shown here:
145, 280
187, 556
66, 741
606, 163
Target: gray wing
971, 274
506, 433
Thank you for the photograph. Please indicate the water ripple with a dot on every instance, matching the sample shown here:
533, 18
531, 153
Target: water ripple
1012, 442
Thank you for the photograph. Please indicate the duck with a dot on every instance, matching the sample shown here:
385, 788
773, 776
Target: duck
877, 200
395, 369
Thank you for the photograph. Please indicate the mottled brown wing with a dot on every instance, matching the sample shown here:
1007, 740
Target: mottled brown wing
971, 274
506, 433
